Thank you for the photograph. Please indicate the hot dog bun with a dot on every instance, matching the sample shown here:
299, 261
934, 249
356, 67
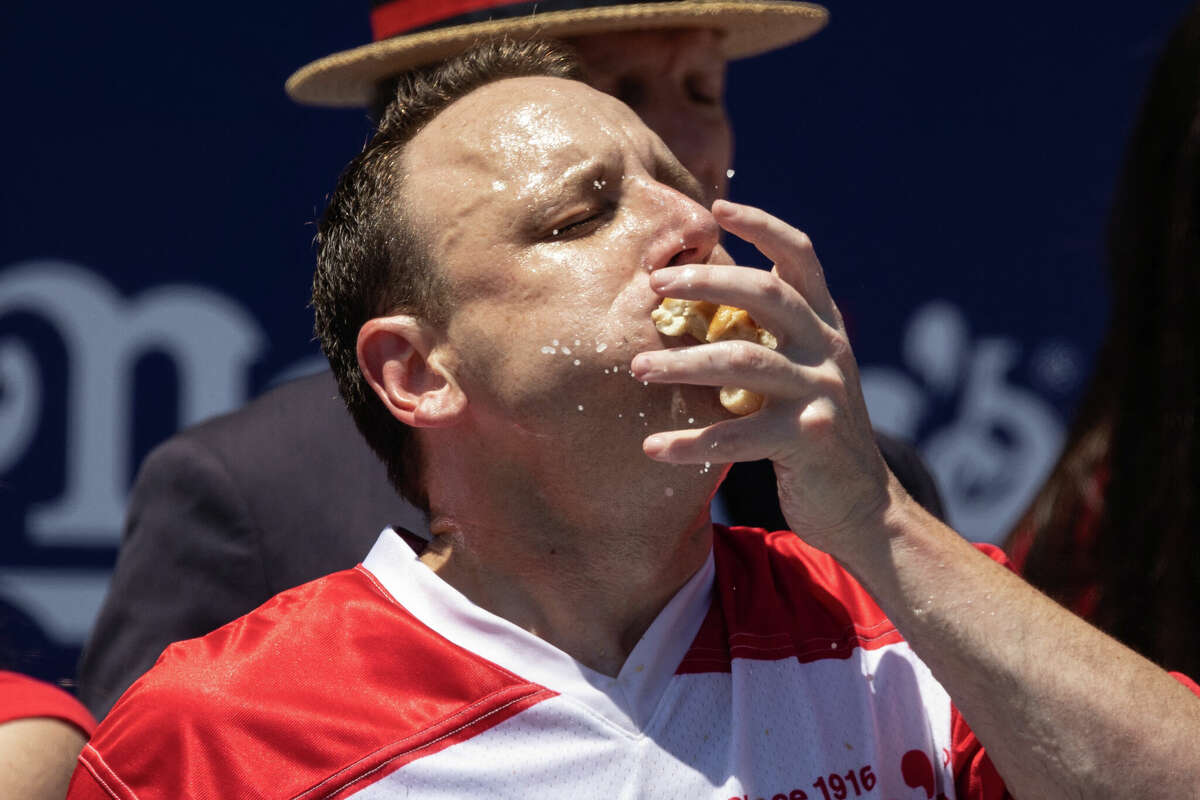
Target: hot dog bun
709, 322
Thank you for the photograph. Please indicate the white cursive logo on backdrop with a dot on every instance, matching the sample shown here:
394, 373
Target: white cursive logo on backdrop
210, 339
1001, 441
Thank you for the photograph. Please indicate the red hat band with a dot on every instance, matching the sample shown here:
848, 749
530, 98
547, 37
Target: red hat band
395, 17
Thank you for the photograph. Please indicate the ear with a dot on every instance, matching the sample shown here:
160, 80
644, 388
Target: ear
394, 354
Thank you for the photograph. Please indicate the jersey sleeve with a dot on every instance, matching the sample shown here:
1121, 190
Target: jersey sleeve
22, 697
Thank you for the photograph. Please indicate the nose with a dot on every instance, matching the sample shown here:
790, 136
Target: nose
686, 232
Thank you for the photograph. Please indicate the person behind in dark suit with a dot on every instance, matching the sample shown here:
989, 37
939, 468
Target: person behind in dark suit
228, 513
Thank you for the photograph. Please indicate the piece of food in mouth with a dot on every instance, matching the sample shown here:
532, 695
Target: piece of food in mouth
709, 322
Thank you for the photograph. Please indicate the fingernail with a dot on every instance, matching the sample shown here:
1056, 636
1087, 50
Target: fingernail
653, 445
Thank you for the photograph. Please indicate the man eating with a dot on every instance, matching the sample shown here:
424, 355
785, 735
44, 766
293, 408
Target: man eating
487, 271
217, 509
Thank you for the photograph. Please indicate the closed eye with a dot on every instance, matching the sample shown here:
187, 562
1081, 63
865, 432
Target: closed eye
582, 224
702, 91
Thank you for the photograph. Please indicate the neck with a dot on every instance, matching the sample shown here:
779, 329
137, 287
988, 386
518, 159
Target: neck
584, 564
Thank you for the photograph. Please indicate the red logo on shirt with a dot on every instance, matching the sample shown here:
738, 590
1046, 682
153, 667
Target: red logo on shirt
917, 770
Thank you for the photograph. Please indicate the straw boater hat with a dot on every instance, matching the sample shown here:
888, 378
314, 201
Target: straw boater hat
412, 33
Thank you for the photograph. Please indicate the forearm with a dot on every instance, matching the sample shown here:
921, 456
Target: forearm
1063, 710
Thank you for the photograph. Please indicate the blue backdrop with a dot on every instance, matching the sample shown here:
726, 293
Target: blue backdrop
953, 164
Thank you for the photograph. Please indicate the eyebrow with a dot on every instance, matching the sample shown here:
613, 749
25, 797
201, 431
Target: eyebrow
677, 176
572, 180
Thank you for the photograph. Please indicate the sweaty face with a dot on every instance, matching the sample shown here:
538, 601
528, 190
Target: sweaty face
546, 204
675, 81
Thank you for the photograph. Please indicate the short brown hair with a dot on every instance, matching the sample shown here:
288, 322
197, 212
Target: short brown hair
371, 262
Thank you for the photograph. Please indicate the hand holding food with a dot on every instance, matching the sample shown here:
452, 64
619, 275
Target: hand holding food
709, 322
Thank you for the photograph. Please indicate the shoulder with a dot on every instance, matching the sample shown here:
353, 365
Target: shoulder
307, 407
782, 560
777, 597
305, 412
324, 682
289, 465
792, 569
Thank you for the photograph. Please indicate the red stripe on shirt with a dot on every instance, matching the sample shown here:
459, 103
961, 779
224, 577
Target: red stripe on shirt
307, 696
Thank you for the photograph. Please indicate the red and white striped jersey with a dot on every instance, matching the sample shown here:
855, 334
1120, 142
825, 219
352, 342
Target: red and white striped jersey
771, 674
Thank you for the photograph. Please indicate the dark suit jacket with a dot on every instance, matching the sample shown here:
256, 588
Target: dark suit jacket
227, 514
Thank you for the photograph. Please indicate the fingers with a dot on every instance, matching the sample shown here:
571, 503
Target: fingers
772, 303
790, 250
733, 363
750, 438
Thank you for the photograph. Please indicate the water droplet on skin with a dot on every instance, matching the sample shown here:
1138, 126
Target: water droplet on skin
691, 420
555, 342
577, 343
641, 413
576, 362
498, 186
644, 383
728, 173
566, 350
707, 465
600, 348
580, 408
549, 350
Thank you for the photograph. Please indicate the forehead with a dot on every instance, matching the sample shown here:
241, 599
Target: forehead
517, 129
662, 51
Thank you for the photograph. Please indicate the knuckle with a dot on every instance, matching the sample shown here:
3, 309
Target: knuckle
829, 378
772, 289
744, 356
839, 344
